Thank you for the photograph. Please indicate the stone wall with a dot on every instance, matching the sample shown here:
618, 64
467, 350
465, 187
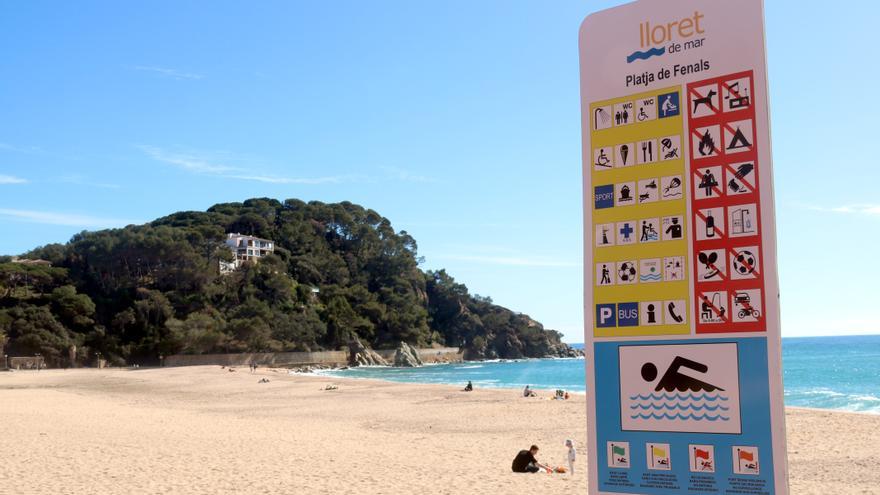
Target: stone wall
337, 358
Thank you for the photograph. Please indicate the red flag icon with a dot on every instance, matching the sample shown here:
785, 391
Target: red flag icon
747, 456
701, 454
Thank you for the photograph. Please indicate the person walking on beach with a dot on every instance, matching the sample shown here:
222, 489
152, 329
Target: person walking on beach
525, 462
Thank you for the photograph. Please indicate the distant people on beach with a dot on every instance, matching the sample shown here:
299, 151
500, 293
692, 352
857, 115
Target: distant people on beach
527, 392
561, 395
526, 462
469, 387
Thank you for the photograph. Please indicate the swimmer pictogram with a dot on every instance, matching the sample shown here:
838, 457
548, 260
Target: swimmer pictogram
673, 380
680, 387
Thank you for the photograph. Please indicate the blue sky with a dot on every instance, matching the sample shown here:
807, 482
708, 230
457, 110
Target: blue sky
457, 120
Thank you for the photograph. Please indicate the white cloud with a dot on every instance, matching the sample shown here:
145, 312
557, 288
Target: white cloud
193, 162
63, 218
165, 71
20, 149
406, 176
864, 208
293, 180
9, 179
216, 164
536, 261
80, 181
814, 325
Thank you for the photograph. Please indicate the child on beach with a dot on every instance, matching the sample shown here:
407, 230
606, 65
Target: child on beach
571, 455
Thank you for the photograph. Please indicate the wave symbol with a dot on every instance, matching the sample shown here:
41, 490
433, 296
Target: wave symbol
645, 54
655, 277
683, 407
690, 396
701, 417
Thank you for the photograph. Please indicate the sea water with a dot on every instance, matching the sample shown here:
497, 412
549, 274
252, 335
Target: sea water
824, 372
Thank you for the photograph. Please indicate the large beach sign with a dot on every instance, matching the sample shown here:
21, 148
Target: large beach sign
682, 337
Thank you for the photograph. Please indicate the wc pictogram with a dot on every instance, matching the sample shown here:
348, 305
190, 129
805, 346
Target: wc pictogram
624, 113
646, 109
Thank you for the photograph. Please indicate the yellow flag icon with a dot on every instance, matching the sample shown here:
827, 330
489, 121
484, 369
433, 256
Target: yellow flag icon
658, 452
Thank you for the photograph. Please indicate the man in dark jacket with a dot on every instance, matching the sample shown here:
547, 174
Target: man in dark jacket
525, 461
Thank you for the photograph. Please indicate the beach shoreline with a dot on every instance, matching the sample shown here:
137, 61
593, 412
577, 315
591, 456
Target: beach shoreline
210, 430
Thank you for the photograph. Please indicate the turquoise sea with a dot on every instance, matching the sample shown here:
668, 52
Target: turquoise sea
823, 372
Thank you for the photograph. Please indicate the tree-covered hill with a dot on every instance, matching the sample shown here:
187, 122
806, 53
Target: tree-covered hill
338, 271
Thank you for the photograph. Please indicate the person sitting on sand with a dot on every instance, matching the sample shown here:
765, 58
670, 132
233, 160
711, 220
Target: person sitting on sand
527, 392
469, 387
525, 462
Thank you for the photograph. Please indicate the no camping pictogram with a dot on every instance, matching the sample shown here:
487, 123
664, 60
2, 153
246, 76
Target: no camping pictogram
739, 136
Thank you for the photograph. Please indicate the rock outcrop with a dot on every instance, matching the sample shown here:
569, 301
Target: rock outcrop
407, 356
360, 355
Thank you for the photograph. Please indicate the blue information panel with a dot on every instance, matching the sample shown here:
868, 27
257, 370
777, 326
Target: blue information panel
663, 429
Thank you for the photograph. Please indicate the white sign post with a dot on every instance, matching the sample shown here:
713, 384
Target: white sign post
682, 333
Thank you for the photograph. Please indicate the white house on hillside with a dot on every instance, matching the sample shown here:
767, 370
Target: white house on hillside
245, 248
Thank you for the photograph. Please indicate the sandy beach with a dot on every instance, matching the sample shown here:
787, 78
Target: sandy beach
208, 430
